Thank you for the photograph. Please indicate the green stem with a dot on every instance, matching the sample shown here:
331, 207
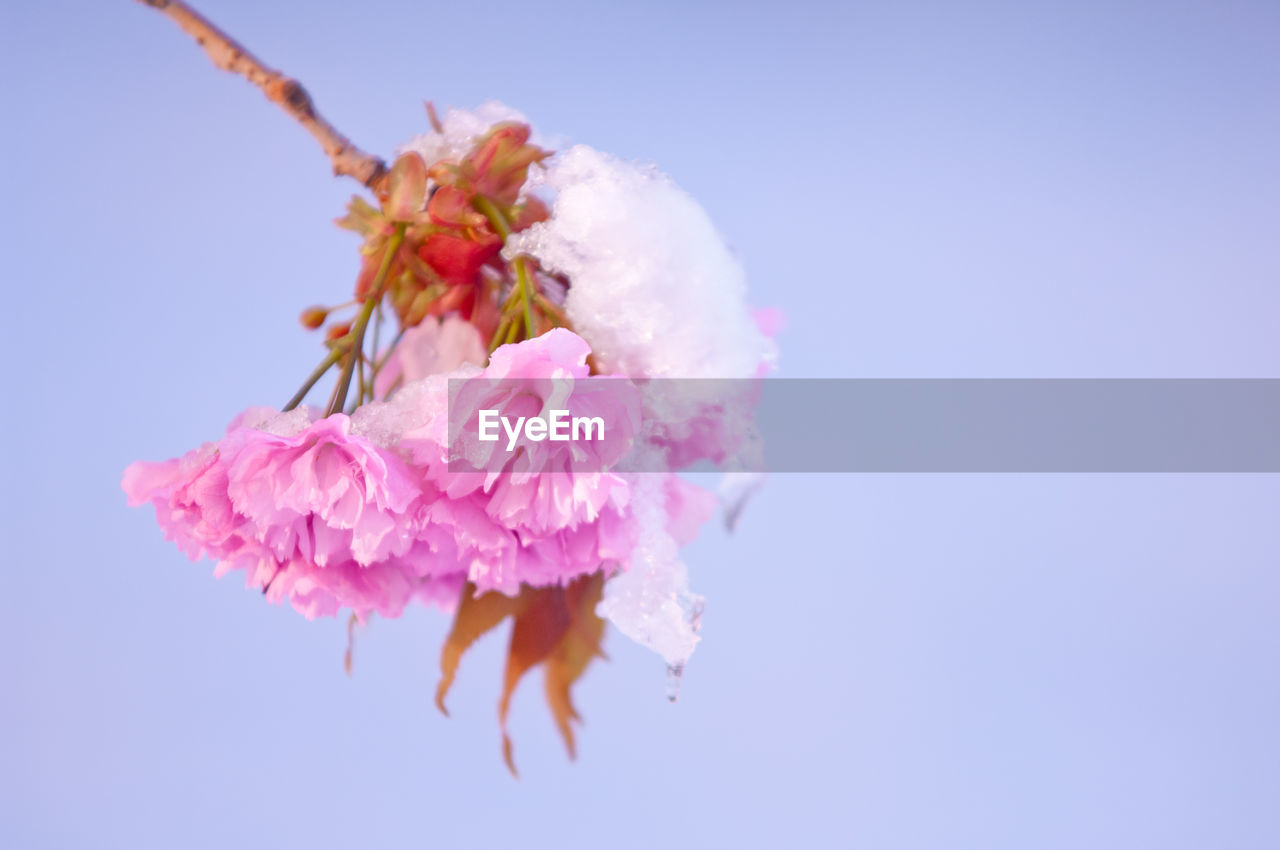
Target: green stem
334, 355
499, 334
524, 275
377, 367
359, 381
512, 333
524, 279
490, 211
339, 400
551, 310
377, 332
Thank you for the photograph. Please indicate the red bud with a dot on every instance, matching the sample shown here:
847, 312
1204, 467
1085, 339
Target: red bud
313, 317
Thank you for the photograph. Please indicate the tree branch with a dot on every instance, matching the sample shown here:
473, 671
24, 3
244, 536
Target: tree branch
287, 92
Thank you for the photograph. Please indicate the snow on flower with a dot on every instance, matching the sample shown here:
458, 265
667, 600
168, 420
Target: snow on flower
388, 495
655, 289
658, 294
459, 130
650, 602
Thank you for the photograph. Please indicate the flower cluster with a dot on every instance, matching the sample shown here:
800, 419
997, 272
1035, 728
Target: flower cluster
359, 505
363, 512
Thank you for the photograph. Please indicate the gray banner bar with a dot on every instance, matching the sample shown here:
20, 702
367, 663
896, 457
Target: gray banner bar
1020, 425
889, 425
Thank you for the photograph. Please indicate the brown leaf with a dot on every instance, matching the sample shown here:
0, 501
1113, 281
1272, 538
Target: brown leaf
348, 659
538, 630
557, 626
476, 615
579, 645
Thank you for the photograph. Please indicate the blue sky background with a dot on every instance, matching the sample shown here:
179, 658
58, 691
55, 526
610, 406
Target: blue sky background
890, 661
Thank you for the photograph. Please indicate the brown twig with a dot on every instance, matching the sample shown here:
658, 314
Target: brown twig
287, 92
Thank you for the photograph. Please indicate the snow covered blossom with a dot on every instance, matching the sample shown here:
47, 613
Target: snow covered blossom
388, 494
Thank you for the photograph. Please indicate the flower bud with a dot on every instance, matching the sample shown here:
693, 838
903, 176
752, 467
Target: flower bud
313, 317
406, 188
337, 331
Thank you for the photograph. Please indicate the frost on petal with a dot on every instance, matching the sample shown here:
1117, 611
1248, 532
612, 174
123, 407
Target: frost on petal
650, 602
420, 405
656, 291
268, 419
461, 128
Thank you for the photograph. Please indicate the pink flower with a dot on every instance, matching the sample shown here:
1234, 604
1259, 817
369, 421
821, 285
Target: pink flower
557, 353
322, 517
604, 544
487, 553
190, 497
369, 516
324, 494
432, 347
549, 511
541, 487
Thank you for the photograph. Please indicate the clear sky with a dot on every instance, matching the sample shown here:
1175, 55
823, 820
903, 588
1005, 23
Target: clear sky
1056, 189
